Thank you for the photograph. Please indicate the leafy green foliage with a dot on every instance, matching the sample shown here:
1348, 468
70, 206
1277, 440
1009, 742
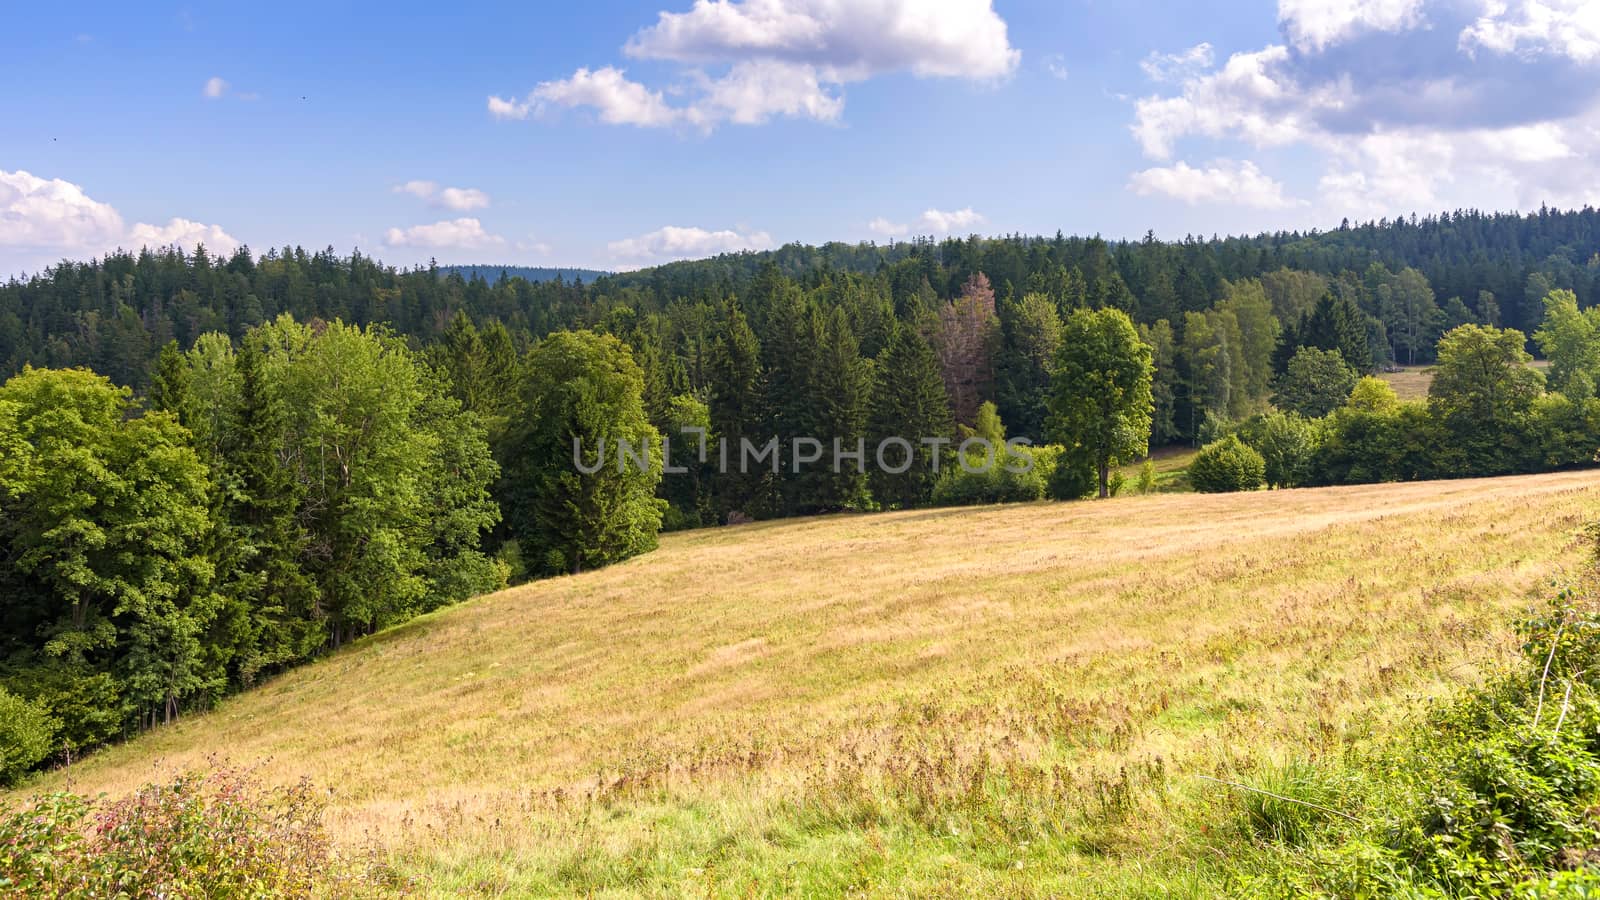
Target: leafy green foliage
1287, 444
1226, 466
1100, 403
584, 392
27, 735
1316, 383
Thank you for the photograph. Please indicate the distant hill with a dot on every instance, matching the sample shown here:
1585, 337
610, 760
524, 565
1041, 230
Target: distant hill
493, 274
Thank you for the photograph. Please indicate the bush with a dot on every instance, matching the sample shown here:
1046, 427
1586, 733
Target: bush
1225, 466
996, 483
1492, 796
27, 734
216, 835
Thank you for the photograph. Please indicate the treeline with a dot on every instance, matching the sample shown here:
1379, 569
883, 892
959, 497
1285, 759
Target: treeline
1488, 412
114, 315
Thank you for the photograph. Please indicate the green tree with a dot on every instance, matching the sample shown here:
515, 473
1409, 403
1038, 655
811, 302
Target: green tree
909, 403
1570, 339
582, 401
1164, 383
1258, 336
1316, 383
1100, 403
1030, 339
1482, 395
106, 524
736, 404
1287, 444
1484, 372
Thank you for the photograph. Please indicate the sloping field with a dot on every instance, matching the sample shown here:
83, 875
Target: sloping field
1004, 700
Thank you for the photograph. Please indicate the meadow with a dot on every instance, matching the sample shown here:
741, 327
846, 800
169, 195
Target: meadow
1013, 701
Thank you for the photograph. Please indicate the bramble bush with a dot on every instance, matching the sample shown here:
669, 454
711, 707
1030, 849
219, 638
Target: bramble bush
220, 834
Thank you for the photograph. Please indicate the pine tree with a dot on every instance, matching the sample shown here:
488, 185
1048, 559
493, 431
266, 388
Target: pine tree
736, 407
909, 403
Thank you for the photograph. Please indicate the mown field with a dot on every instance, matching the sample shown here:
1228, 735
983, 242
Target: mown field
1413, 382
1009, 701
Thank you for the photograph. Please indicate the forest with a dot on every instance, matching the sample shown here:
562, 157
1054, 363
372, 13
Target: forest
213, 469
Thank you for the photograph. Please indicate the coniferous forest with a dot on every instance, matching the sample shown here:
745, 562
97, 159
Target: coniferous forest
216, 468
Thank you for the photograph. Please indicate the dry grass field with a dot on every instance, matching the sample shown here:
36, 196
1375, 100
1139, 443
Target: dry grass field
1412, 382
997, 701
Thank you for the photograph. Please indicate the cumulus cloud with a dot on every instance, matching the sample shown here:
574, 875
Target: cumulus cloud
748, 61
1313, 25
214, 88
932, 221
678, 242
459, 199
1178, 66
1569, 28
45, 219
1224, 182
451, 234
1429, 104
850, 41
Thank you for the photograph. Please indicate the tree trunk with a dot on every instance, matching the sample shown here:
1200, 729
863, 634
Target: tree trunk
1105, 480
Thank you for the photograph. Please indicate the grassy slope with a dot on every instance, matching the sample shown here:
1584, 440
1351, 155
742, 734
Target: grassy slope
1009, 699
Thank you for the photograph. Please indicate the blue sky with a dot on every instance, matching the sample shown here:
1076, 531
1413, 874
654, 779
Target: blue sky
619, 134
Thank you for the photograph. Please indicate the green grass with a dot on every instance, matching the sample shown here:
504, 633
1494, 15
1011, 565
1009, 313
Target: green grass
1010, 701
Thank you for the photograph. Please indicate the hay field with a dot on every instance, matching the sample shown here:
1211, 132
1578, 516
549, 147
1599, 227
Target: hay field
1006, 700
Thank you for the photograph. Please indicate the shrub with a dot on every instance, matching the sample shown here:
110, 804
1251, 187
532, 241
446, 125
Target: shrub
996, 483
1147, 477
212, 835
27, 733
1225, 466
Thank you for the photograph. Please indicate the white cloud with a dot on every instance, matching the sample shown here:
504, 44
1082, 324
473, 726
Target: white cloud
1056, 65
459, 199
1250, 97
849, 41
677, 242
1178, 66
1409, 106
451, 234
753, 92
932, 221
751, 60
1569, 28
509, 109
43, 220
607, 90
1315, 25
1224, 182
183, 233
215, 87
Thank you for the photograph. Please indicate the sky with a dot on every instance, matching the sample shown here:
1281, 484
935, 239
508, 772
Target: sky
614, 134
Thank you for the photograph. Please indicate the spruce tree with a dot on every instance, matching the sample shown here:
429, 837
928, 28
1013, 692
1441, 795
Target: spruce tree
736, 406
909, 403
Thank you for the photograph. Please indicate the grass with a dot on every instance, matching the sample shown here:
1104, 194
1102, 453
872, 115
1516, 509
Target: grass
998, 701
1172, 470
1412, 382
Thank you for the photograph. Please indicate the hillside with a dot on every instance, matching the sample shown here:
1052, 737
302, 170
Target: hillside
949, 701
